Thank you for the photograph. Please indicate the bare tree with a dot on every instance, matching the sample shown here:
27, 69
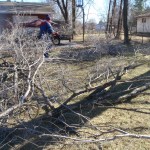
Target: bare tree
63, 6
73, 15
119, 25
125, 21
108, 16
56, 84
27, 57
111, 15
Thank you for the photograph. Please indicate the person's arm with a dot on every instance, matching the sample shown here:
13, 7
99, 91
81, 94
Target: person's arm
35, 23
52, 22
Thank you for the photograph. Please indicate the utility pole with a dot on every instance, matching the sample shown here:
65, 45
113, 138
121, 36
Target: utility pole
83, 23
81, 5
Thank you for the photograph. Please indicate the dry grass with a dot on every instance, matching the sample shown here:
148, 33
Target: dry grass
132, 116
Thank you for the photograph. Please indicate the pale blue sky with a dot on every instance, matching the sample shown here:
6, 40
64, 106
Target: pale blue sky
97, 10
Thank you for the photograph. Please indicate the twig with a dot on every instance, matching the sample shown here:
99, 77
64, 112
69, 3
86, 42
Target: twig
98, 140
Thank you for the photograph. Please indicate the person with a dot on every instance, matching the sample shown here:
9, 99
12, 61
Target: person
44, 25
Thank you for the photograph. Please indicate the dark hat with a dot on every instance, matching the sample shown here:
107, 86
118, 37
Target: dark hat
48, 17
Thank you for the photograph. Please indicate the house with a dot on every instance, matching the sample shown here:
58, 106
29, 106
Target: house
143, 23
101, 26
13, 12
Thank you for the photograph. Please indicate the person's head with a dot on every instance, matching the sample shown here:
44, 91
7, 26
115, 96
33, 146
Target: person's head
48, 18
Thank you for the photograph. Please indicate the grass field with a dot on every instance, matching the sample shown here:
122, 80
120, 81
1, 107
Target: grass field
132, 116
101, 124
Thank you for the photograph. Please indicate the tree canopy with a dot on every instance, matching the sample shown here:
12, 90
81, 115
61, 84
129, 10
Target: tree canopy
139, 4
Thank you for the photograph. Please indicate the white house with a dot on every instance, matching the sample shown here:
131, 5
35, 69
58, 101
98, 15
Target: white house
143, 23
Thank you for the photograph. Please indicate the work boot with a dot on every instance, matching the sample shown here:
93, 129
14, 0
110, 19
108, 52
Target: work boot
46, 54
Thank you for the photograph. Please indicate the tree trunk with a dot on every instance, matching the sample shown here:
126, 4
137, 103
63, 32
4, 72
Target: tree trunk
73, 16
108, 19
110, 28
113, 16
63, 5
125, 22
119, 26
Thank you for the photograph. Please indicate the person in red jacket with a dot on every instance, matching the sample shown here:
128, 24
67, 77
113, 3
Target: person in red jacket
44, 25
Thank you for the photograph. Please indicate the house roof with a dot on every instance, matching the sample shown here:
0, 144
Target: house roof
147, 14
25, 8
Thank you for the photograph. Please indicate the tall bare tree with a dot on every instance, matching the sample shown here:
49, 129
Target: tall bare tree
108, 16
111, 16
73, 15
63, 6
119, 26
125, 21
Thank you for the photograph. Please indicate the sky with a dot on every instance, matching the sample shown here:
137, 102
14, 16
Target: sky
97, 10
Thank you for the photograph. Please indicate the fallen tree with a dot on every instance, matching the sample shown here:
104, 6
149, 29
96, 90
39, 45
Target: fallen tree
56, 85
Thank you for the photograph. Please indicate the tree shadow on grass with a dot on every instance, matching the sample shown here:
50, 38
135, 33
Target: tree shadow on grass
32, 134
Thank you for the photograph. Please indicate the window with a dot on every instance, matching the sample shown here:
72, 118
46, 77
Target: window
143, 20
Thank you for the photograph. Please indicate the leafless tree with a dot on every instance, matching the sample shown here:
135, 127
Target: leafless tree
111, 15
119, 26
73, 15
63, 6
29, 82
125, 21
